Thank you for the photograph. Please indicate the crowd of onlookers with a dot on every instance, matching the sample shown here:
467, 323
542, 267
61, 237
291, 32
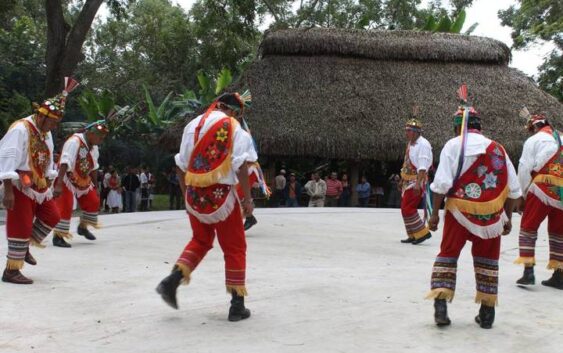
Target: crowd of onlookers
128, 192
333, 191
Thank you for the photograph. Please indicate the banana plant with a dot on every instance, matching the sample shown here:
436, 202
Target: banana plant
95, 105
445, 24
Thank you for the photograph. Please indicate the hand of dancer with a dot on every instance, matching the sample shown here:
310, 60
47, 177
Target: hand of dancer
248, 207
434, 221
507, 227
58, 188
8, 195
417, 188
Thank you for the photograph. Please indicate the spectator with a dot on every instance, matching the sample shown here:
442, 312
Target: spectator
174, 192
379, 195
130, 184
152, 185
344, 200
333, 190
292, 191
364, 192
144, 179
316, 189
279, 187
394, 200
114, 199
106, 188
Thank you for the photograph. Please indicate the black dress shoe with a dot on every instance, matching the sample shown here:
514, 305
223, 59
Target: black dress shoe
168, 286
528, 277
486, 316
441, 312
420, 240
237, 311
407, 241
556, 280
60, 242
85, 233
250, 222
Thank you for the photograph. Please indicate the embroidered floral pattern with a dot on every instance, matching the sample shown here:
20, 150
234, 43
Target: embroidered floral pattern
207, 200
481, 170
473, 191
40, 155
213, 149
556, 169
222, 135
490, 181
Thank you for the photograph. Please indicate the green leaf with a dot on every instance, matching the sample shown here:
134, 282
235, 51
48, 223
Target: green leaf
472, 28
223, 80
458, 23
445, 24
430, 24
204, 82
153, 116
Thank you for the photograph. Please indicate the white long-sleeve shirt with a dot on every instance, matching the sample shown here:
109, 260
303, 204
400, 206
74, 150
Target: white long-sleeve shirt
476, 145
420, 154
14, 152
538, 150
243, 147
71, 149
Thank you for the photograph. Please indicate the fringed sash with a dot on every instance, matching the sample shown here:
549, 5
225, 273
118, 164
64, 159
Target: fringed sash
478, 196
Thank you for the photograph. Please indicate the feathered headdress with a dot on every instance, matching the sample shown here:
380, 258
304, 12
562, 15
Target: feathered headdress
414, 122
532, 119
54, 108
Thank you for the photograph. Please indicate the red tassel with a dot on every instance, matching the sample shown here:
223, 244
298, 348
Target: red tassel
462, 93
70, 84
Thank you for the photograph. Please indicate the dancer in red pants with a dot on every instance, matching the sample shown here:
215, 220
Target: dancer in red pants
213, 159
414, 176
77, 178
541, 177
26, 171
480, 185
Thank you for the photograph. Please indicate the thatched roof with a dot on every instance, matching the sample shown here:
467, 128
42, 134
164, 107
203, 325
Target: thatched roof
347, 94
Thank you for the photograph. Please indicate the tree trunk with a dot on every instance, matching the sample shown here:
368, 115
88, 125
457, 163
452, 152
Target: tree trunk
64, 43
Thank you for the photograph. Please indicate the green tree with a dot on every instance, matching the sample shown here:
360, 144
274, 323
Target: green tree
155, 45
535, 20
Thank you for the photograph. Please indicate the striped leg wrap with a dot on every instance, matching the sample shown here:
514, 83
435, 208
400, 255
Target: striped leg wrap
555, 252
235, 280
89, 219
527, 245
62, 229
415, 226
17, 249
486, 276
39, 232
443, 279
188, 260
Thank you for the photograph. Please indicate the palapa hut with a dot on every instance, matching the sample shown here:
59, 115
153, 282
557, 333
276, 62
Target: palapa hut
345, 94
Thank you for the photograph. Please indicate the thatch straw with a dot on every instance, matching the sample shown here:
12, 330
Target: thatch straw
353, 107
386, 45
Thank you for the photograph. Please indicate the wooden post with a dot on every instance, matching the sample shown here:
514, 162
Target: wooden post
354, 178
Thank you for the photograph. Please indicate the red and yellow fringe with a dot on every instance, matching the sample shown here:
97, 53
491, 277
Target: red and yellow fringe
240, 290
478, 208
14, 264
186, 272
526, 261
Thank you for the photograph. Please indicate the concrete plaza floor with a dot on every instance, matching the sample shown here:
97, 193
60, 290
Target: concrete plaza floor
320, 280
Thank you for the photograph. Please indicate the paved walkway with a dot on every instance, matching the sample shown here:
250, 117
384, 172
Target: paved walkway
322, 280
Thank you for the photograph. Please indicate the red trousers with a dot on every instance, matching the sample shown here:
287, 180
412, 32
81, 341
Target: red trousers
232, 240
409, 209
89, 204
486, 253
28, 222
535, 212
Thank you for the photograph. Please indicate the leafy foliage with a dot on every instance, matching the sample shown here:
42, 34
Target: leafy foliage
537, 20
